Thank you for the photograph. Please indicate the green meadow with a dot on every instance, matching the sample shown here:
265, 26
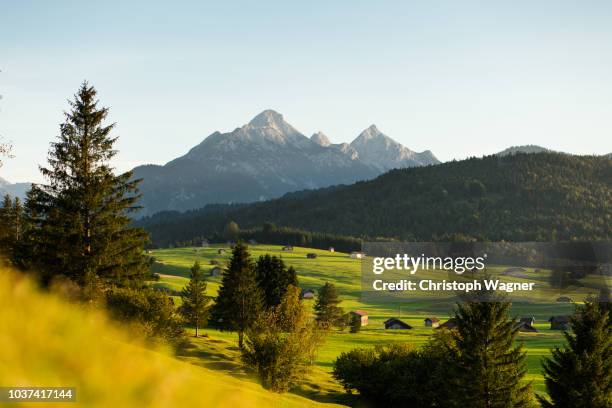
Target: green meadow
218, 349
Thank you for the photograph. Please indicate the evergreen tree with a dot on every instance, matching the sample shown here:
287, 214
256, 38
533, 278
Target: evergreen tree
5, 222
11, 224
78, 222
240, 300
355, 323
580, 374
195, 302
326, 306
273, 278
489, 369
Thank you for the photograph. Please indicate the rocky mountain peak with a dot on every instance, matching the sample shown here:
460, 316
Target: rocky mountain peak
321, 139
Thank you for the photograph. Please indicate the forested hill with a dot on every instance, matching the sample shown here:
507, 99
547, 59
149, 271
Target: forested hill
522, 197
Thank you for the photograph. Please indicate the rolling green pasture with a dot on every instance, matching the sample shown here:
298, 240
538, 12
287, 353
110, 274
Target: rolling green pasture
173, 266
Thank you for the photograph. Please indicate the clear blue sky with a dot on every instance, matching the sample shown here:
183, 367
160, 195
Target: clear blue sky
462, 78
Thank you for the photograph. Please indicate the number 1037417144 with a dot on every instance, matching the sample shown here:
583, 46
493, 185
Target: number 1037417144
46, 394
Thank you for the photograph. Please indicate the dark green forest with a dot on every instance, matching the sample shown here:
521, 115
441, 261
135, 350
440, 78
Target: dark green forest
522, 197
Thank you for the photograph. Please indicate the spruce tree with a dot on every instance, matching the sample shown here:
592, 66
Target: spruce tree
195, 302
6, 210
580, 374
239, 301
489, 370
273, 278
78, 221
326, 306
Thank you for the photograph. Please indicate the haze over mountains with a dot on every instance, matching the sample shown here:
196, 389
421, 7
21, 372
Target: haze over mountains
267, 158
13, 189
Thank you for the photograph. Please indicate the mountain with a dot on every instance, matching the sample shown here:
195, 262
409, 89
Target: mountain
263, 159
523, 149
13, 189
542, 197
380, 151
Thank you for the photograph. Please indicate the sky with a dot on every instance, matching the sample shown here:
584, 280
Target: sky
460, 78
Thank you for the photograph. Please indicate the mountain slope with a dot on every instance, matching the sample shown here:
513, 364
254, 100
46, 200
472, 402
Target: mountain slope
13, 189
263, 159
544, 196
379, 150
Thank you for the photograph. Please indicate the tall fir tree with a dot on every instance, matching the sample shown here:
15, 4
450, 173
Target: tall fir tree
11, 225
580, 374
326, 307
78, 223
6, 210
239, 301
195, 306
273, 278
489, 370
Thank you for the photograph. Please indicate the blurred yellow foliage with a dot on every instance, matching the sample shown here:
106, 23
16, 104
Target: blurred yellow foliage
46, 341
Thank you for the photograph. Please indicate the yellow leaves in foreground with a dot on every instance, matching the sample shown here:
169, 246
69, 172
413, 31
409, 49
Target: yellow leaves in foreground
46, 341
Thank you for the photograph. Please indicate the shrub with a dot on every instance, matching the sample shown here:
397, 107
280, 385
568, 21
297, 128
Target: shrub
150, 310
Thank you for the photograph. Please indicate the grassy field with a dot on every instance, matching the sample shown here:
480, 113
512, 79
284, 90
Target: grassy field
47, 342
173, 266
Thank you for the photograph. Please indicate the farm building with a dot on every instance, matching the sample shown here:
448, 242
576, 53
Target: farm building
363, 315
525, 327
564, 299
308, 294
287, 248
559, 323
311, 255
357, 255
530, 320
432, 322
221, 251
449, 324
396, 324
204, 244
216, 271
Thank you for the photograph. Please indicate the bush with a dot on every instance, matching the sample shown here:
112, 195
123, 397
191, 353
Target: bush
283, 344
391, 375
151, 311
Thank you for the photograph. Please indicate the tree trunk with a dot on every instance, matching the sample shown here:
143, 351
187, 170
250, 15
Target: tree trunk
240, 339
196, 330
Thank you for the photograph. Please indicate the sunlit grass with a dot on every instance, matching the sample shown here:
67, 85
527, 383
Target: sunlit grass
46, 341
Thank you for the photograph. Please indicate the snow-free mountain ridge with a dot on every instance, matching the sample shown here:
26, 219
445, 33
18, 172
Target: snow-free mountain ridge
267, 158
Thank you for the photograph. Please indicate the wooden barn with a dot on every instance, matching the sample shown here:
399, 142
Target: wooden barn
287, 248
311, 255
357, 255
432, 322
559, 323
396, 324
363, 316
526, 325
449, 324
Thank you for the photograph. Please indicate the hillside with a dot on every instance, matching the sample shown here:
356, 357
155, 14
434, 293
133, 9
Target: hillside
265, 159
521, 197
49, 342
